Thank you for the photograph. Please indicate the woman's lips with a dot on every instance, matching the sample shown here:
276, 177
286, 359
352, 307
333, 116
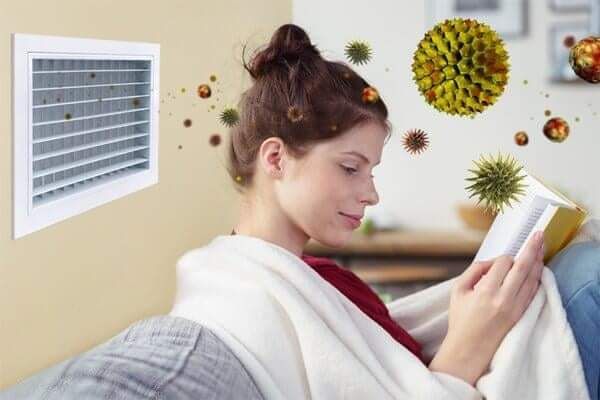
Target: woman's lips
354, 222
356, 217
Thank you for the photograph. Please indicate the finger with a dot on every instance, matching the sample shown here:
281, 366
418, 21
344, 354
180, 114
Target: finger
522, 266
526, 294
532, 247
473, 274
498, 271
533, 280
542, 252
540, 264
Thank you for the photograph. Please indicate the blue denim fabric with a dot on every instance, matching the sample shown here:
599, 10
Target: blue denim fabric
577, 272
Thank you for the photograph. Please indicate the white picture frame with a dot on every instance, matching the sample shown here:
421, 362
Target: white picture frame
509, 18
595, 17
569, 5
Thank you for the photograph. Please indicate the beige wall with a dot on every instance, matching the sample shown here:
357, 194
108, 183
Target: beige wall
74, 284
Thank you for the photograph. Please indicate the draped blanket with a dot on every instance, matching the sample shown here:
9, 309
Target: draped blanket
300, 338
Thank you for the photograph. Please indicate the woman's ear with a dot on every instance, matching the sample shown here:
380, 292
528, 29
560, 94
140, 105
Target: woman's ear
271, 156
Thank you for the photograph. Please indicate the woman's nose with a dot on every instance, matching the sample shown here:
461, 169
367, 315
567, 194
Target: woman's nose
371, 197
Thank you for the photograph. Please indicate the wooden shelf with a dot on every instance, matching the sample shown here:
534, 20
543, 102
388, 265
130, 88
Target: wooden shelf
400, 257
402, 273
398, 243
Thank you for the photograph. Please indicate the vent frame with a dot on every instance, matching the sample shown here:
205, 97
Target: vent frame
95, 147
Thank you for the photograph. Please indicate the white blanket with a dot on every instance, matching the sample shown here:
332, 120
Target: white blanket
300, 338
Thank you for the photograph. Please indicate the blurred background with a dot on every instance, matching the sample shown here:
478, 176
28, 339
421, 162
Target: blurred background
423, 191
72, 285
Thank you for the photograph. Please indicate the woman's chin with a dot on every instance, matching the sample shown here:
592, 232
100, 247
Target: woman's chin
336, 240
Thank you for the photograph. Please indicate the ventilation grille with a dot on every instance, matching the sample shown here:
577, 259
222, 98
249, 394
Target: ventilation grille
90, 123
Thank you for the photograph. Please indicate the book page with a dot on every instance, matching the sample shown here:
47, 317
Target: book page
542, 190
506, 227
505, 234
537, 208
540, 225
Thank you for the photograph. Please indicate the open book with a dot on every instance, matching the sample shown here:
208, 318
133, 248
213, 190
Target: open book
539, 208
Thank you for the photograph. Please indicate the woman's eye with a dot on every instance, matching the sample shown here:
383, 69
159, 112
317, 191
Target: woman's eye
349, 170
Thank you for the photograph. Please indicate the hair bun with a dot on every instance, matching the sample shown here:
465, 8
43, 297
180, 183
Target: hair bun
288, 44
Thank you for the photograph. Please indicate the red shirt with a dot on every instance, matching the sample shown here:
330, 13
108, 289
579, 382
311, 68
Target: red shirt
364, 297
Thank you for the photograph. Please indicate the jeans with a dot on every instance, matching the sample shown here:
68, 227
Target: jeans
577, 272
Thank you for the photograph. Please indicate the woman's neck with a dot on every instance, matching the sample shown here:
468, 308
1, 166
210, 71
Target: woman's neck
261, 217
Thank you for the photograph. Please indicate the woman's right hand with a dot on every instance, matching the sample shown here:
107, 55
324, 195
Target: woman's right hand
487, 300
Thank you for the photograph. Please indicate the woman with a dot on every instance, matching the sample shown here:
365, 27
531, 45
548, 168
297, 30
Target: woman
302, 156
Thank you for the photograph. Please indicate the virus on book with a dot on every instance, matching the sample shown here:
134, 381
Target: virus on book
358, 52
547, 113
229, 116
584, 58
415, 141
521, 138
213, 78
370, 95
204, 91
294, 114
556, 129
461, 66
187, 122
496, 182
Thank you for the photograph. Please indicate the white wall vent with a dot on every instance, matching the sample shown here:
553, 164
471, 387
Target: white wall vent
85, 125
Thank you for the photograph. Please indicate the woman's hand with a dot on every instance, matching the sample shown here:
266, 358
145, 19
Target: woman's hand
486, 302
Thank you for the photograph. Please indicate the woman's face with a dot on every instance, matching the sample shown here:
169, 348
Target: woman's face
335, 177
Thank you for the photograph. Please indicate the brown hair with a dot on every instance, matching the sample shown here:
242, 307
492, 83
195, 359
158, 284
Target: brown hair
299, 97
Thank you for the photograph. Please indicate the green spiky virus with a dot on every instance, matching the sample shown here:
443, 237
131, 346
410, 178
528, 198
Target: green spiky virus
358, 52
461, 66
229, 116
496, 181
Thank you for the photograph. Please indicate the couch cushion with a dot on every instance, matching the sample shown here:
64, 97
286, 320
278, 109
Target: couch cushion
162, 357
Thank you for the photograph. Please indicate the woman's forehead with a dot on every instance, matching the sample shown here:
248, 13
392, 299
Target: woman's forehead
363, 142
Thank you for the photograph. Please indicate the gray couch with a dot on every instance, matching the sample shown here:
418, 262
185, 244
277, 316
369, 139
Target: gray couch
162, 357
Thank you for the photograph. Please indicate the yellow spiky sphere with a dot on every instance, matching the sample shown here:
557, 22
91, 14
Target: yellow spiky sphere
461, 66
